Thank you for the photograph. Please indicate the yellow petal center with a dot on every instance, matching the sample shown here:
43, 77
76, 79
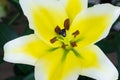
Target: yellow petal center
67, 40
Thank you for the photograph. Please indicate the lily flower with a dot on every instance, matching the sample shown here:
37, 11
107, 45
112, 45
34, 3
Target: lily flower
63, 44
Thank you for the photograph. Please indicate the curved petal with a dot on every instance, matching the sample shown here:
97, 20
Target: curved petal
94, 24
51, 67
26, 50
44, 16
73, 7
92, 63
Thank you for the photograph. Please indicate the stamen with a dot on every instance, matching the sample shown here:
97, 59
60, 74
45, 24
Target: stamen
67, 24
76, 33
63, 32
53, 40
57, 29
64, 46
73, 44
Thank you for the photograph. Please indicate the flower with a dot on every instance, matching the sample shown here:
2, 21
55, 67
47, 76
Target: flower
63, 44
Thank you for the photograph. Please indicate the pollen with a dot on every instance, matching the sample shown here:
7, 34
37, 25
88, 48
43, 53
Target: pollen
57, 29
53, 40
67, 24
73, 44
76, 33
64, 46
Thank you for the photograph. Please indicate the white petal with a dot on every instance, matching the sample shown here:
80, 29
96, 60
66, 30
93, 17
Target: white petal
105, 70
94, 23
26, 50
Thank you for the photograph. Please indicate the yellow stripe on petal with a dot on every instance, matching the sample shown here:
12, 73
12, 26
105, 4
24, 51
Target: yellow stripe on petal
51, 67
73, 7
105, 69
94, 24
91, 63
76, 64
44, 16
26, 50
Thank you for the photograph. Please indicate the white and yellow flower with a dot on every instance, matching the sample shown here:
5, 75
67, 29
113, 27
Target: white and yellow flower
63, 44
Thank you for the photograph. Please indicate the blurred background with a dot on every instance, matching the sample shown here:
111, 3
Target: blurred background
14, 24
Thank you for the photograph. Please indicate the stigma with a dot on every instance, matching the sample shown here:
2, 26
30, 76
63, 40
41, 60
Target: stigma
63, 32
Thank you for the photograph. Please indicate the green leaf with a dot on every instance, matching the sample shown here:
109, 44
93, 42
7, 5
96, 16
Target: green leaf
23, 70
6, 34
29, 77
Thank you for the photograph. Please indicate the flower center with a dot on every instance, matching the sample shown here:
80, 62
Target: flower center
62, 36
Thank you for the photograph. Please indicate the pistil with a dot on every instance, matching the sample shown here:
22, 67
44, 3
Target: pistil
63, 32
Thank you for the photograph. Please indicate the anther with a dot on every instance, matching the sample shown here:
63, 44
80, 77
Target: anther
53, 40
64, 46
63, 32
57, 29
76, 33
73, 44
67, 24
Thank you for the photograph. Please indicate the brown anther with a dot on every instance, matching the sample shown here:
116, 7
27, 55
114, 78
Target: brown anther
53, 40
76, 33
67, 24
57, 29
73, 44
64, 46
